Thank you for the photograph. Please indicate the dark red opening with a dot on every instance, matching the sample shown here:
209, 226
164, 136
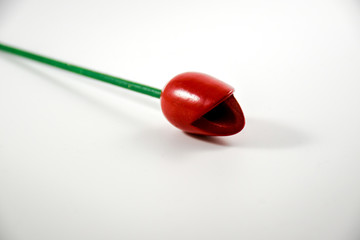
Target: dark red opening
225, 119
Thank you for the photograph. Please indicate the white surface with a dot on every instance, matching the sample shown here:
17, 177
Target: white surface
81, 159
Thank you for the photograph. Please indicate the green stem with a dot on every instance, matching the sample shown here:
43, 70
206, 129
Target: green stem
137, 87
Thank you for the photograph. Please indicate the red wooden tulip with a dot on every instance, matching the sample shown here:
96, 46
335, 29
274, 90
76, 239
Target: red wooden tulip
200, 104
194, 102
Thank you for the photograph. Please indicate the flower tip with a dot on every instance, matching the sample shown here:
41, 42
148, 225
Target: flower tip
200, 104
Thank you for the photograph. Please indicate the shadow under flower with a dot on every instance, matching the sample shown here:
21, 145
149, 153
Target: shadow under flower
209, 139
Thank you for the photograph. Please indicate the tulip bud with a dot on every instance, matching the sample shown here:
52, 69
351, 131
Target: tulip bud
200, 104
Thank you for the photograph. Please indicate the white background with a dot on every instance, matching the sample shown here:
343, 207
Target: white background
81, 159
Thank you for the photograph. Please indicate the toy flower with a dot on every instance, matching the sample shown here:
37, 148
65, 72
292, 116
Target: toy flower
193, 102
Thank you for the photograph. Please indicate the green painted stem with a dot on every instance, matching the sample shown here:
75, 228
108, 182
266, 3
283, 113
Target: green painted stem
137, 87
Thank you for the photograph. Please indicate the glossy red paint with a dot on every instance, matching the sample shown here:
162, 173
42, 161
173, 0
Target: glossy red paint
200, 104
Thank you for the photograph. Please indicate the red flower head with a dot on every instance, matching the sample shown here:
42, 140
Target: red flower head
200, 104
